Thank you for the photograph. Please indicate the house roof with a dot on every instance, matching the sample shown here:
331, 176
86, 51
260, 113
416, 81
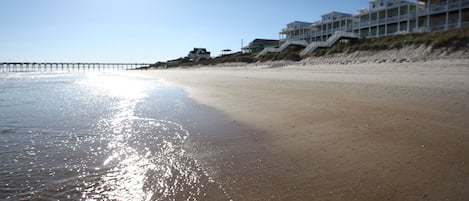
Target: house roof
300, 22
258, 42
263, 40
338, 13
199, 51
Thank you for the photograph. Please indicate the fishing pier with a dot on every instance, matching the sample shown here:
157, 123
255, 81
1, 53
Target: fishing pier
67, 66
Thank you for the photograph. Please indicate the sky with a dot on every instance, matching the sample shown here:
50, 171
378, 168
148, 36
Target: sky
145, 30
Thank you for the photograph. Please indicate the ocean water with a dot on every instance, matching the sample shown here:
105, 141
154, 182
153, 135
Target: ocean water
97, 136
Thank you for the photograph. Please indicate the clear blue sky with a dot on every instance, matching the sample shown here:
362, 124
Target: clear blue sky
145, 30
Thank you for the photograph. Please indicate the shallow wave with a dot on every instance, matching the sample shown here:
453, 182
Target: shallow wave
85, 152
147, 160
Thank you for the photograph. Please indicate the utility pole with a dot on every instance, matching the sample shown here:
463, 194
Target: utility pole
241, 45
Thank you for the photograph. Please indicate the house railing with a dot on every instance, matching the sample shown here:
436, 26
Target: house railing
331, 31
283, 47
381, 21
443, 26
443, 7
329, 42
312, 34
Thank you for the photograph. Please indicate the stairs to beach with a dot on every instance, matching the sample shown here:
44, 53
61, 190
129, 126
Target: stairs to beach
283, 47
311, 47
329, 42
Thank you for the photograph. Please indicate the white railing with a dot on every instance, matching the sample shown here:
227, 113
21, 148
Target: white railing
373, 22
329, 42
380, 21
297, 37
392, 19
267, 50
283, 47
443, 7
328, 32
440, 27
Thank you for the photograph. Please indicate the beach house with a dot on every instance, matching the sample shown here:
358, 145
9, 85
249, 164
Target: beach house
258, 45
319, 30
296, 30
387, 17
198, 54
309, 35
331, 23
381, 18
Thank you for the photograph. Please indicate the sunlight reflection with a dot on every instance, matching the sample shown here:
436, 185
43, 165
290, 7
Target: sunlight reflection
147, 160
129, 89
126, 180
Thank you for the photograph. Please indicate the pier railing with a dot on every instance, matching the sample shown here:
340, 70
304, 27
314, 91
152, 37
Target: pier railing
67, 66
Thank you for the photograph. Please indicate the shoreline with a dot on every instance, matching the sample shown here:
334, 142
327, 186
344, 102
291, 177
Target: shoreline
394, 131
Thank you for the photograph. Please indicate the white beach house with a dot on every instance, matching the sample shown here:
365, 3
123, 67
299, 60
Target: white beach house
387, 17
331, 23
296, 30
381, 18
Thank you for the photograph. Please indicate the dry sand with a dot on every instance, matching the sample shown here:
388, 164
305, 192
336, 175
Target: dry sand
340, 132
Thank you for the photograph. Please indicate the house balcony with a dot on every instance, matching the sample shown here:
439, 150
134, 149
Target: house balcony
443, 7
286, 30
382, 21
442, 26
348, 28
289, 30
311, 34
295, 37
322, 33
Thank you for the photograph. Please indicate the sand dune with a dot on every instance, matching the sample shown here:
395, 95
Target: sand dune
341, 132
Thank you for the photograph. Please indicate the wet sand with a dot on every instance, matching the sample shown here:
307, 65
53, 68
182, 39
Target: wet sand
337, 132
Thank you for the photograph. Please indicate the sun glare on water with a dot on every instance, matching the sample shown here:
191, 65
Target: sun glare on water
118, 86
146, 157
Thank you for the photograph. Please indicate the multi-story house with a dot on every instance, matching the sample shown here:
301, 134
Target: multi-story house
382, 18
296, 30
331, 23
443, 14
386, 17
319, 30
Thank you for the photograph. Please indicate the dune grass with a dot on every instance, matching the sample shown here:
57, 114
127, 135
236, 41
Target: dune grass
451, 40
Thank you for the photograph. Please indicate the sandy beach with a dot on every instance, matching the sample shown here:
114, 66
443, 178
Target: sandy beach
338, 132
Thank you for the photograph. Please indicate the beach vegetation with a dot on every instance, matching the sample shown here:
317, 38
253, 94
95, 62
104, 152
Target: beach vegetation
292, 53
452, 40
233, 58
